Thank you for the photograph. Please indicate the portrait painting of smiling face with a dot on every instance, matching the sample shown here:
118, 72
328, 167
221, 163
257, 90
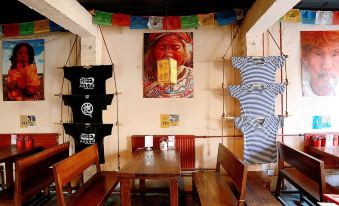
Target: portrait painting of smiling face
320, 63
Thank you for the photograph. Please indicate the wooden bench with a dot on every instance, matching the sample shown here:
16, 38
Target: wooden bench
94, 191
33, 174
239, 186
214, 189
305, 173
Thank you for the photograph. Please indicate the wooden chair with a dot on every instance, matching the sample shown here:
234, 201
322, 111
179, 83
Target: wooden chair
306, 173
214, 189
93, 192
33, 174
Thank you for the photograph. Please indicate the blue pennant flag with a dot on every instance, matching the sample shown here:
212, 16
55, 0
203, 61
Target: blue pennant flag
308, 17
55, 27
226, 17
139, 22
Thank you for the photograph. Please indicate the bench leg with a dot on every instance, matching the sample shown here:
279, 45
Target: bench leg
142, 185
279, 185
194, 190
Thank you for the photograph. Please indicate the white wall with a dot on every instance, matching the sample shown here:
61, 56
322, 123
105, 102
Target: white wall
138, 116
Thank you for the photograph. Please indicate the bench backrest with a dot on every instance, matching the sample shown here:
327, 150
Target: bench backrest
36, 165
235, 168
73, 166
306, 164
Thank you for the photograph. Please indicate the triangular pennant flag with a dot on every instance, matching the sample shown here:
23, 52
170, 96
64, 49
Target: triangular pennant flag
155, 22
226, 17
206, 20
41, 26
307, 16
121, 20
11, 30
188, 22
55, 27
139, 22
239, 13
292, 15
103, 18
336, 17
324, 17
172, 22
0, 30
26, 28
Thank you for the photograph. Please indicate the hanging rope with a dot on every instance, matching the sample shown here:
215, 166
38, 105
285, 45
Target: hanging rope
62, 86
224, 85
117, 96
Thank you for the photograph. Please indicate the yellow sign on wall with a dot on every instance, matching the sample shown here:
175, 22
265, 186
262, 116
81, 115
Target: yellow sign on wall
27, 121
167, 120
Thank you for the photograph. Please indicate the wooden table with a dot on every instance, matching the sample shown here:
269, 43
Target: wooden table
332, 152
154, 164
8, 155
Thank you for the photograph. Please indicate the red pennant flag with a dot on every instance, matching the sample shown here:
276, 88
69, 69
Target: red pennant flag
172, 22
11, 30
336, 17
121, 20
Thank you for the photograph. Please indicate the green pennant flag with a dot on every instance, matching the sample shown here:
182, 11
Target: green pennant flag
103, 18
26, 28
188, 22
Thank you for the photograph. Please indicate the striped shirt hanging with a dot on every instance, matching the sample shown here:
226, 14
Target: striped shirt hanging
258, 70
259, 138
257, 99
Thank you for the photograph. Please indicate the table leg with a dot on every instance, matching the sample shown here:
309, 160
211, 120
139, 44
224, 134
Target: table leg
9, 174
174, 192
125, 186
142, 185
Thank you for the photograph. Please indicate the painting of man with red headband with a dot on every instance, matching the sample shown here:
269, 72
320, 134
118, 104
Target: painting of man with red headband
175, 45
320, 63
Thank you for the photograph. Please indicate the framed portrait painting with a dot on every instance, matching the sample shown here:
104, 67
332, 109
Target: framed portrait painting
23, 70
319, 63
178, 46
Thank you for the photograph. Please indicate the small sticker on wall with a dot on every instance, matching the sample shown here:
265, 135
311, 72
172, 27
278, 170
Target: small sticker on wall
27, 121
167, 120
321, 122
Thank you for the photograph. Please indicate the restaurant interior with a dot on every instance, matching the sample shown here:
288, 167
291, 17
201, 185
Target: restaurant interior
168, 102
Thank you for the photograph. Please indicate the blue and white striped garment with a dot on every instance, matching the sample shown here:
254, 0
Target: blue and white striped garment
258, 70
257, 99
260, 145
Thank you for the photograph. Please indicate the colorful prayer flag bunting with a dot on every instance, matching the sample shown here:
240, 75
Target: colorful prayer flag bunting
226, 17
0, 30
172, 23
155, 22
121, 20
189, 22
139, 22
103, 18
206, 20
292, 15
324, 17
41, 26
26, 28
11, 30
307, 16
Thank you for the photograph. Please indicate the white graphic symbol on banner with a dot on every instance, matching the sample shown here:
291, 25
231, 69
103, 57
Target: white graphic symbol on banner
87, 83
87, 109
87, 138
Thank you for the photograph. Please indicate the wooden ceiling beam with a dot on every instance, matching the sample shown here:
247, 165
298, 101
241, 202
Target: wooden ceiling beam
69, 14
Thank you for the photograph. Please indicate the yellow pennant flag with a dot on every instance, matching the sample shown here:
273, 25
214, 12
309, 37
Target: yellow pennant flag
41, 26
206, 20
292, 15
